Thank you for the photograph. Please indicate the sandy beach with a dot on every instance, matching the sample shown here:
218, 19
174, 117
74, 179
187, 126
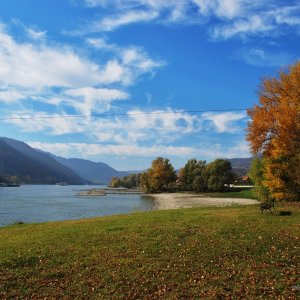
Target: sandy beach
186, 200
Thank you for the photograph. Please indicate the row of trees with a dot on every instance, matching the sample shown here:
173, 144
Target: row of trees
274, 132
197, 176
129, 181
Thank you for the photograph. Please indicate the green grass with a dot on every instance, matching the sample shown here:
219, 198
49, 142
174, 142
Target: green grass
199, 253
241, 192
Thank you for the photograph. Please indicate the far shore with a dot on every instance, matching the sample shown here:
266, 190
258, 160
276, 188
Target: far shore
188, 200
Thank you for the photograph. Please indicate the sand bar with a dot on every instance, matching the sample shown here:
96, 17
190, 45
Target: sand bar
92, 193
105, 191
186, 200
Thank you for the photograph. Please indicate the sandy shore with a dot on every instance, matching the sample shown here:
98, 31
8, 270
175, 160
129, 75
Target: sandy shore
186, 200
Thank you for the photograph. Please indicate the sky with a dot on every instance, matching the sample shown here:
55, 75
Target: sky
126, 81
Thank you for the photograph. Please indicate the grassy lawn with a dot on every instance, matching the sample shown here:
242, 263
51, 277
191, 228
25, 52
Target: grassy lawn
238, 192
202, 253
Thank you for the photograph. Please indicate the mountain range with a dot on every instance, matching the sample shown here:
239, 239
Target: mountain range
95, 172
36, 166
32, 166
241, 166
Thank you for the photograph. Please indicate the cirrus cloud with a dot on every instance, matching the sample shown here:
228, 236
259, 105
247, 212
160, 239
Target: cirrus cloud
92, 150
224, 18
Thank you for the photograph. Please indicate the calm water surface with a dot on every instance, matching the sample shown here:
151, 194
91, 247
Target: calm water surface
41, 203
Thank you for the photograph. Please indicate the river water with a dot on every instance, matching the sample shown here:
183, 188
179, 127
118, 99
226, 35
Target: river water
41, 203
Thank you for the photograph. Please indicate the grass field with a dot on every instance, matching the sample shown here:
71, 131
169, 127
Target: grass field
236, 192
204, 253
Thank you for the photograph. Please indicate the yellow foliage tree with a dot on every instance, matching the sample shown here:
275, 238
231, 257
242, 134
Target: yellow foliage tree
159, 176
274, 130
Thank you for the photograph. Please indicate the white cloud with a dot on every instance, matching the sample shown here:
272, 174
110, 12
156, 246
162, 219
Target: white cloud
240, 149
237, 149
53, 124
136, 11
261, 57
136, 128
97, 151
129, 63
39, 66
113, 22
224, 18
225, 9
10, 96
289, 15
253, 25
57, 75
87, 99
163, 120
93, 3
36, 34
225, 122
128, 150
100, 43
32, 32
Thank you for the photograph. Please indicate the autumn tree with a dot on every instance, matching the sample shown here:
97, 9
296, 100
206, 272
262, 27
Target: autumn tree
115, 182
159, 177
274, 131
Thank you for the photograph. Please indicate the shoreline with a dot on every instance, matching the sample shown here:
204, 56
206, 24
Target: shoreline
173, 200
188, 200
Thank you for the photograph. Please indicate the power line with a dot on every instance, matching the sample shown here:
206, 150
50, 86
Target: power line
122, 114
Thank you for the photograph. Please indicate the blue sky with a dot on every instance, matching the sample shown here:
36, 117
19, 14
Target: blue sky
128, 58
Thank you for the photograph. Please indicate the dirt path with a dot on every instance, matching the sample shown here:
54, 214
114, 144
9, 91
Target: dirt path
185, 200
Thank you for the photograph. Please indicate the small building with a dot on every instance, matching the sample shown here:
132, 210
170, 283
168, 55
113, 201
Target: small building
244, 180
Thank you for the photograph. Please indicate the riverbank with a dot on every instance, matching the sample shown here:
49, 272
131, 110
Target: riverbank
207, 253
188, 200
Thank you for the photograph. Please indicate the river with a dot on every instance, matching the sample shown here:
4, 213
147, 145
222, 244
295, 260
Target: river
42, 203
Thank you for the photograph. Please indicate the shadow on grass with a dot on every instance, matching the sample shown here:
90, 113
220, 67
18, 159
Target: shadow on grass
285, 213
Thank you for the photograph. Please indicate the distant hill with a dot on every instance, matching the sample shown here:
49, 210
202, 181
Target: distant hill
96, 172
241, 166
32, 166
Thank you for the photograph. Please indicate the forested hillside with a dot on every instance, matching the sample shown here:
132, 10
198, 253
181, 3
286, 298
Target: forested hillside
31, 166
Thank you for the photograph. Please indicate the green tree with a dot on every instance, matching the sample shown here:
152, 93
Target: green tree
129, 181
200, 177
193, 177
220, 175
256, 174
